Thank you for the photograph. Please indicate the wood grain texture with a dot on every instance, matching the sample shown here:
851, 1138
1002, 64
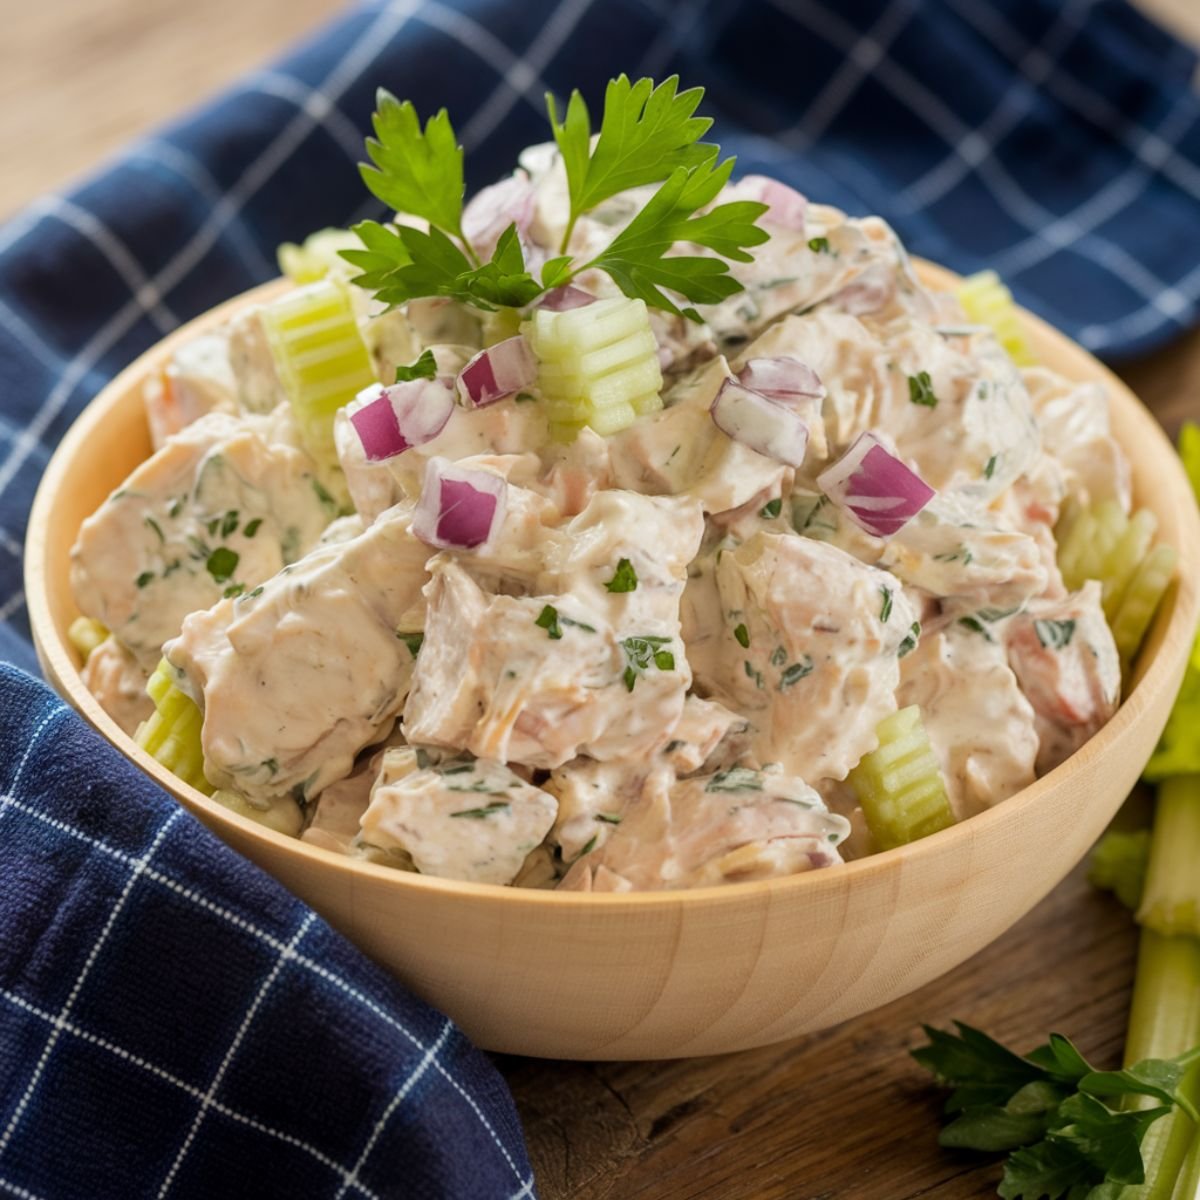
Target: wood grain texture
842, 1115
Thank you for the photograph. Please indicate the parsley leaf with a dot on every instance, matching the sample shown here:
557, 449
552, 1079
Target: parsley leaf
771, 509
640, 653
920, 390
221, 564
415, 171
424, 368
646, 133
885, 609
478, 814
638, 258
624, 578
547, 619
742, 634
819, 245
1054, 634
412, 640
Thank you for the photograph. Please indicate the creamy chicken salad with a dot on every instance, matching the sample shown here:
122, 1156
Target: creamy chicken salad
491, 624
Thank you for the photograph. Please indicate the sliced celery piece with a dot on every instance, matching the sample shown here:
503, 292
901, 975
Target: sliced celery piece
321, 357
1171, 900
899, 785
85, 635
171, 734
317, 256
986, 301
1141, 600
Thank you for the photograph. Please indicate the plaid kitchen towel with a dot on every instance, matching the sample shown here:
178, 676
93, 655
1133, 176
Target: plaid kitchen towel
172, 1022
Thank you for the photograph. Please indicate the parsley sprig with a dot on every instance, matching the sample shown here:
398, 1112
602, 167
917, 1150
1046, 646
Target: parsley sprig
1056, 1115
648, 134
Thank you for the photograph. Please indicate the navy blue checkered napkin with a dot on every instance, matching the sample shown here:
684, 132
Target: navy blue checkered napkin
173, 1023
1057, 142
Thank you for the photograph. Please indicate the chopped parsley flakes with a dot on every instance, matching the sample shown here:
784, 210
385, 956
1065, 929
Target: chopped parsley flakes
742, 634
478, 814
819, 245
771, 509
221, 564
920, 390
1054, 634
412, 640
910, 642
735, 779
796, 672
640, 653
547, 619
624, 578
885, 610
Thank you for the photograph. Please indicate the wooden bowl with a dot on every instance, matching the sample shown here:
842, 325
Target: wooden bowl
669, 974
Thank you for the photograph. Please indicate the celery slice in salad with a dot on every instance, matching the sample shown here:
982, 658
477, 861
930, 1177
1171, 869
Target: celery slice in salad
1141, 601
899, 784
322, 359
597, 365
986, 301
171, 734
317, 256
1171, 900
85, 635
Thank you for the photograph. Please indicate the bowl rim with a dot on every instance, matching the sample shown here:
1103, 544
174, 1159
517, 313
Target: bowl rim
1182, 598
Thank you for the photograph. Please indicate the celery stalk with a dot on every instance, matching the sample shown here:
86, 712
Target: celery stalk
1171, 901
1164, 1021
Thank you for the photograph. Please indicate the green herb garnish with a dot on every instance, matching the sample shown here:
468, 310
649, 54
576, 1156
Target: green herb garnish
234, 589
608, 818
920, 389
976, 626
990, 469
424, 368
819, 245
1054, 634
221, 564
735, 779
547, 619
251, 527
796, 672
910, 642
885, 610
412, 640
1060, 1121
478, 814
327, 501
648, 135
640, 653
742, 634
144, 578
624, 577
771, 509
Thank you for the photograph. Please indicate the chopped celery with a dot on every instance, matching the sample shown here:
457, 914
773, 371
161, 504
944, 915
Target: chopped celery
1119, 864
899, 785
1140, 602
986, 300
318, 255
1189, 451
597, 365
1178, 750
171, 734
281, 814
85, 635
322, 359
1171, 900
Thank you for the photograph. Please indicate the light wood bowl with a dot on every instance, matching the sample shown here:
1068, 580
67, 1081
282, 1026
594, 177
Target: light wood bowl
664, 975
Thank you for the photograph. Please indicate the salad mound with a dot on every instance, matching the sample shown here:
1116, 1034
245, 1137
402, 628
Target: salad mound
627, 527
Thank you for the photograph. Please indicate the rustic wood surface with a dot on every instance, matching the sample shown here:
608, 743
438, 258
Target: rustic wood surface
843, 1115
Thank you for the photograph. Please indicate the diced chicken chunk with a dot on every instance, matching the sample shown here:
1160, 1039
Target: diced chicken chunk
117, 680
197, 380
979, 723
1065, 659
463, 819
808, 650
216, 511
297, 677
730, 827
592, 796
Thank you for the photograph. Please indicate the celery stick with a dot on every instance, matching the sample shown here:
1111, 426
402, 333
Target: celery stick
1164, 1021
1171, 900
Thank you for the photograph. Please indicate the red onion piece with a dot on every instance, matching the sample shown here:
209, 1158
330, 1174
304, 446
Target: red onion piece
512, 201
501, 370
782, 378
763, 425
785, 206
870, 292
876, 490
395, 418
560, 299
459, 508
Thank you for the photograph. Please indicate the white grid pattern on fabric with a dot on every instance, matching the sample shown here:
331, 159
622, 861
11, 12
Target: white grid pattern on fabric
187, 166
315, 103
12, 604
524, 75
29, 339
1089, 104
269, 939
119, 257
1032, 71
1113, 198
285, 956
1020, 207
7, 543
143, 1064
1140, 320
8, 799
866, 50
368, 45
411, 1082
13, 1190
138, 866
670, 36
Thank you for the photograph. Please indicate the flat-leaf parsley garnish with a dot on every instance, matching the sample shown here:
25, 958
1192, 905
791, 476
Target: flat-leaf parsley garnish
920, 390
641, 653
624, 577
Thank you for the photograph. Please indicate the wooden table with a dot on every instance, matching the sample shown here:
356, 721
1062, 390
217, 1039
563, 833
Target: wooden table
841, 1115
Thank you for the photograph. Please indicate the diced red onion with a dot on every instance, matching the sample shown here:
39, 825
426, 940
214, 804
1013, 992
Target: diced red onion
395, 418
781, 378
875, 488
763, 425
873, 289
512, 201
459, 508
501, 370
785, 206
560, 299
